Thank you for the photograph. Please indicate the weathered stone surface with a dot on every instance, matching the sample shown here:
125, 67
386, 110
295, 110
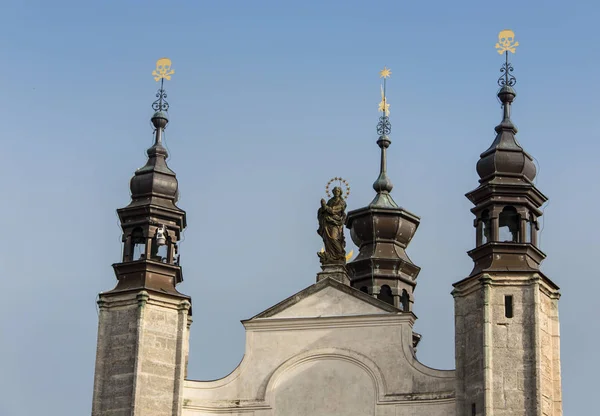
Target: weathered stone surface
142, 348
507, 365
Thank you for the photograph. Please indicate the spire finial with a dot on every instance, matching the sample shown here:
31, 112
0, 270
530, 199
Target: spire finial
163, 71
506, 43
159, 119
384, 127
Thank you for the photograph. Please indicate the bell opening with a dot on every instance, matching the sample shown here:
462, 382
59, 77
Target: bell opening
485, 228
138, 244
404, 301
385, 294
509, 225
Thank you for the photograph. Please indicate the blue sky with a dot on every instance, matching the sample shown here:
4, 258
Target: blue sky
269, 100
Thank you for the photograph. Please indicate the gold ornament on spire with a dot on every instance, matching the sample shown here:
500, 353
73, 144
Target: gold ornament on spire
163, 70
385, 72
506, 42
384, 107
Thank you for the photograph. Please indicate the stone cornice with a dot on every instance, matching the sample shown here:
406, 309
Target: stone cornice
349, 321
110, 300
472, 284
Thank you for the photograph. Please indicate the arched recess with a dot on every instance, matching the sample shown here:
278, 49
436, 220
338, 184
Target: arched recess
361, 361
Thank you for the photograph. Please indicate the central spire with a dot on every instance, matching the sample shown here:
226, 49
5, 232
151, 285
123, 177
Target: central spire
383, 185
382, 231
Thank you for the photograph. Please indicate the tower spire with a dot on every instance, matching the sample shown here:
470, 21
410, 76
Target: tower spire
130, 363
382, 231
506, 294
152, 222
383, 185
507, 204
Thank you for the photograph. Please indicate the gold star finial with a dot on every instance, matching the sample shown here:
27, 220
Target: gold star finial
384, 107
506, 42
385, 72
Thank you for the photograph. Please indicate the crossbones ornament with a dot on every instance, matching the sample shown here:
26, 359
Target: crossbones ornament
506, 42
163, 69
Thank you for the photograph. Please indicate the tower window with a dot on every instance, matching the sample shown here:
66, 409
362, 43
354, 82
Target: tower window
508, 306
473, 409
385, 294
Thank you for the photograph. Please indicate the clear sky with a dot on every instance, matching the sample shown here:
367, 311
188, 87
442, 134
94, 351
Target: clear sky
270, 99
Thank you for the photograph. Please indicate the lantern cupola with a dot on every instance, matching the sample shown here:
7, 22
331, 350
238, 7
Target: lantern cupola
507, 203
152, 223
382, 230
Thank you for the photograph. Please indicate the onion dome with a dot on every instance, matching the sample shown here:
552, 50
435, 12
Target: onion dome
155, 182
505, 157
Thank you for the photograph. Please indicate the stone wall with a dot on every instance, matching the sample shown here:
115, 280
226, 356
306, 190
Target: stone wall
141, 354
508, 360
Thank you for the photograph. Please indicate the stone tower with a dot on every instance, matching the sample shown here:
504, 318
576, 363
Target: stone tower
506, 328
382, 230
144, 321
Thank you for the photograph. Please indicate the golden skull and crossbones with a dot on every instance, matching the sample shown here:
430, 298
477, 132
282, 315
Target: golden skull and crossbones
506, 42
163, 69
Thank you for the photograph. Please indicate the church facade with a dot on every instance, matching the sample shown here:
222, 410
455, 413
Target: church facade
344, 346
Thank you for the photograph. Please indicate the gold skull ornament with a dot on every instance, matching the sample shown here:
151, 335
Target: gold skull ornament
506, 41
163, 69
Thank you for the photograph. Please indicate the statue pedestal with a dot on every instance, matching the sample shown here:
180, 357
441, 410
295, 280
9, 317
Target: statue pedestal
334, 271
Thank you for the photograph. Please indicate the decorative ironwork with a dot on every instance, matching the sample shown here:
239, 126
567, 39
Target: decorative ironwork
507, 78
343, 182
506, 43
384, 127
161, 104
163, 71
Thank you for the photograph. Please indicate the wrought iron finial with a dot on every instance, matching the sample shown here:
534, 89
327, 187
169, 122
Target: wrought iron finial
506, 43
163, 71
384, 127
